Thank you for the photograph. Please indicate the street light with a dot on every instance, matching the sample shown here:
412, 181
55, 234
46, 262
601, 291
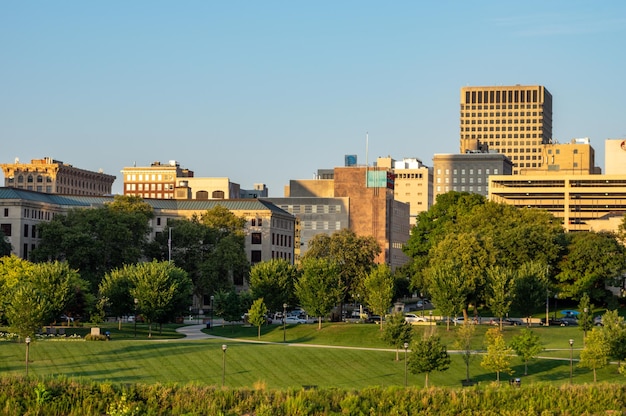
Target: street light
406, 347
284, 328
211, 316
224, 346
136, 302
571, 360
27, 340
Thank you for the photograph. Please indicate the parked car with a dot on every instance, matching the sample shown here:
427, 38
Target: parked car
413, 318
295, 320
507, 321
569, 321
597, 321
551, 322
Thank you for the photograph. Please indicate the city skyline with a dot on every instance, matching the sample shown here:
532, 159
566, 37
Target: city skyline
268, 92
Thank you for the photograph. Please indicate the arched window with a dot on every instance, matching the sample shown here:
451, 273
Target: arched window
29, 179
217, 195
39, 179
202, 195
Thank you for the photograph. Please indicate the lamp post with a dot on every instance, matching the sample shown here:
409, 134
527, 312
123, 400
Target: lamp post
169, 245
430, 320
406, 347
211, 316
27, 340
224, 346
136, 302
571, 360
284, 327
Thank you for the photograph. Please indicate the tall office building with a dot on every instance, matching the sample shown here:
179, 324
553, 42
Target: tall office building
513, 120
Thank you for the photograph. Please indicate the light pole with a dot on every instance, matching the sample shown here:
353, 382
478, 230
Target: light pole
27, 340
136, 302
571, 360
406, 347
169, 245
211, 316
284, 328
430, 320
224, 346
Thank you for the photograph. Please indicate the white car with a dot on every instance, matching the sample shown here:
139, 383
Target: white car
413, 319
295, 320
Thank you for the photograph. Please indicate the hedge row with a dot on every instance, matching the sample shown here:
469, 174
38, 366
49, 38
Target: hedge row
60, 396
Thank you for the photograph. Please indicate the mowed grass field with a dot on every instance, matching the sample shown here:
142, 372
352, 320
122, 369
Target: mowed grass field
339, 355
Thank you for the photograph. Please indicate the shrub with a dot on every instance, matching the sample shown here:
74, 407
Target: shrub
92, 337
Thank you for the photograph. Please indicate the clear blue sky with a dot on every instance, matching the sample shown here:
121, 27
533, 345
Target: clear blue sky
267, 91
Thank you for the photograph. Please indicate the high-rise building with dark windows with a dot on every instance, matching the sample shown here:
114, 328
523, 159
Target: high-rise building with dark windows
512, 120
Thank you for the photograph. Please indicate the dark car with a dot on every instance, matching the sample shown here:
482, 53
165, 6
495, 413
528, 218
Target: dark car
513, 321
569, 321
552, 322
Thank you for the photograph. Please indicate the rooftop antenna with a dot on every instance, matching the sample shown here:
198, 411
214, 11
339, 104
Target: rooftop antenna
367, 138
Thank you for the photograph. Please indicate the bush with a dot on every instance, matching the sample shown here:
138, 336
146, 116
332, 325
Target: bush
92, 337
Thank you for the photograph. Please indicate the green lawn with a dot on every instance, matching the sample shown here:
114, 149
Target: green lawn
166, 359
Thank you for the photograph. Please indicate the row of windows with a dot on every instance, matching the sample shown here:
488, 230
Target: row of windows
281, 255
279, 240
70, 182
312, 209
282, 224
321, 225
36, 214
503, 136
409, 176
505, 114
505, 96
499, 107
149, 186
479, 171
33, 231
455, 180
463, 188
502, 121
153, 195
149, 177
497, 128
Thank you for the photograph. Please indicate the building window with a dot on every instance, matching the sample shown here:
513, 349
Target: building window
25, 230
255, 256
255, 238
6, 212
6, 229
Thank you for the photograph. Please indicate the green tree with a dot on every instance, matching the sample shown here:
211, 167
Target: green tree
29, 309
428, 355
354, 254
596, 353
379, 288
318, 289
397, 332
468, 259
228, 305
96, 240
531, 288
463, 342
447, 288
274, 281
614, 329
161, 289
431, 227
500, 290
257, 314
593, 261
114, 291
527, 346
498, 356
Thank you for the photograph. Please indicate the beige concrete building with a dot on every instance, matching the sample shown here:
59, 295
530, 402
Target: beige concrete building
582, 202
574, 158
512, 120
413, 183
158, 180
468, 172
615, 156
55, 177
207, 188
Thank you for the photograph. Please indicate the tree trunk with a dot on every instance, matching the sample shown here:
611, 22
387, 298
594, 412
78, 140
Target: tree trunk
498, 376
526, 367
426, 381
259, 332
319, 323
397, 355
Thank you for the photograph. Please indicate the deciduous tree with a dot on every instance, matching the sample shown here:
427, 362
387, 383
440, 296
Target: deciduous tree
428, 355
379, 289
596, 353
274, 281
527, 346
500, 290
397, 332
498, 356
257, 314
318, 289
463, 342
